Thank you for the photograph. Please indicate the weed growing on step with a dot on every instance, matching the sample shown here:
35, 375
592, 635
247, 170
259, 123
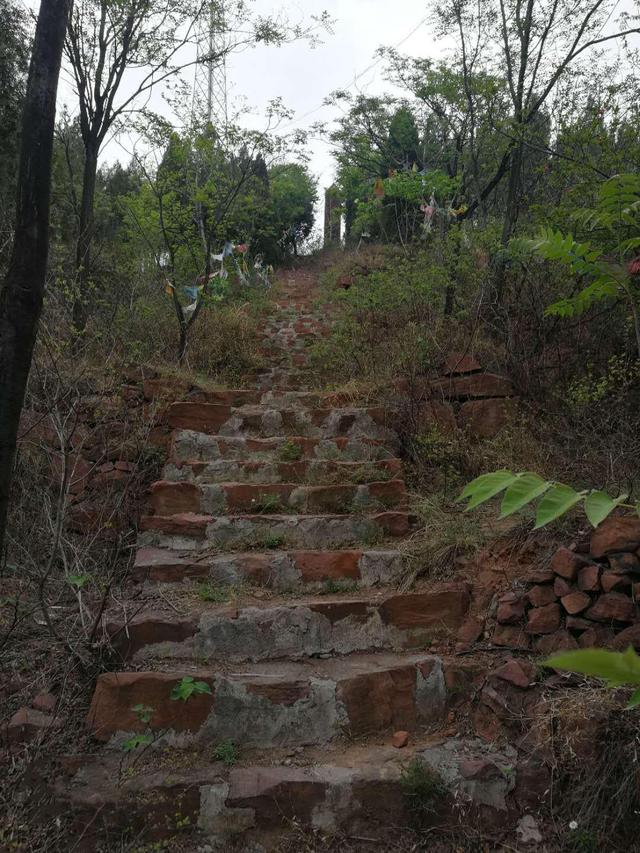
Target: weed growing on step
188, 687
273, 541
290, 452
331, 586
215, 593
269, 504
424, 792
227, 752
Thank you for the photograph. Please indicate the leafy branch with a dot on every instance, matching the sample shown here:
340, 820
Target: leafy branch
555, 499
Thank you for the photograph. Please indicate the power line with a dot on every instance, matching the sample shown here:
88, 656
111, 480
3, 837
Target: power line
357, 76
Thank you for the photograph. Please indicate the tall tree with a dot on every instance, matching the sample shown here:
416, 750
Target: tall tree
14, 61
22, 294
121, 50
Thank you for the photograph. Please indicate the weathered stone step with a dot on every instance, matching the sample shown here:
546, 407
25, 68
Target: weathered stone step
279, 570
190, 446
357, 792
169, 498
214, 418
275, 705
242, 532
320, 625
322, 471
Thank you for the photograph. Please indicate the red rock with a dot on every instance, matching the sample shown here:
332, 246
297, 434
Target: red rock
541, 595
323, 565
169, 498
576, 623
148, 629
485, 418
566, 563
625, 563
537, 575
575, 602
400, 739
559, 641
479, 768
183, 524
510, 612
613, 581
513, 673
561, 587
509, 636
442, 607
27, 724
543, 620
629, 637
469, 633
474, 385
612, 607
45, 702
616, 534
117, 693
458, 363
200, 417
589, 579
596, 636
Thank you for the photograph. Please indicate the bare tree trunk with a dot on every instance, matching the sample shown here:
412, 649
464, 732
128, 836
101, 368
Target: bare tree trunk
85, 236
23, 291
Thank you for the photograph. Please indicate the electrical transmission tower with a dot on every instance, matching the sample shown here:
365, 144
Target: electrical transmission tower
210, 93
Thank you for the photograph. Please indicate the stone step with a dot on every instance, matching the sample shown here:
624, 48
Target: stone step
190, 446
274, 705
311, 626
279, 570
169, 498
242, 532
214, 418
320, 472
357, 792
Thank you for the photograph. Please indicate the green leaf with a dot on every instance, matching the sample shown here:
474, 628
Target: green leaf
526, 488
485, 487
78, 581
557, 501
634, 701
616, 668
188, 688
598, 505
136, 741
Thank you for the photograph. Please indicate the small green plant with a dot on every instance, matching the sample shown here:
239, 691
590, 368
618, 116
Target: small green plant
217, 593
268, 503
424, 791
618, 669
331, 586
556, 499
143, 713
189, 687
136, 741
227, 752
273, 541
290, 452
581, 841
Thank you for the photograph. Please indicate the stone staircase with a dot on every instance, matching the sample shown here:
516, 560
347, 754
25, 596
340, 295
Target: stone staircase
267, 617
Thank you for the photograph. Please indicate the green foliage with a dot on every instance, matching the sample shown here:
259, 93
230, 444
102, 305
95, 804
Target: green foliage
227, 752
290, 451
137, 741
189, 687
556, 498
615, 222
216, 593
616, 668
423, 790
